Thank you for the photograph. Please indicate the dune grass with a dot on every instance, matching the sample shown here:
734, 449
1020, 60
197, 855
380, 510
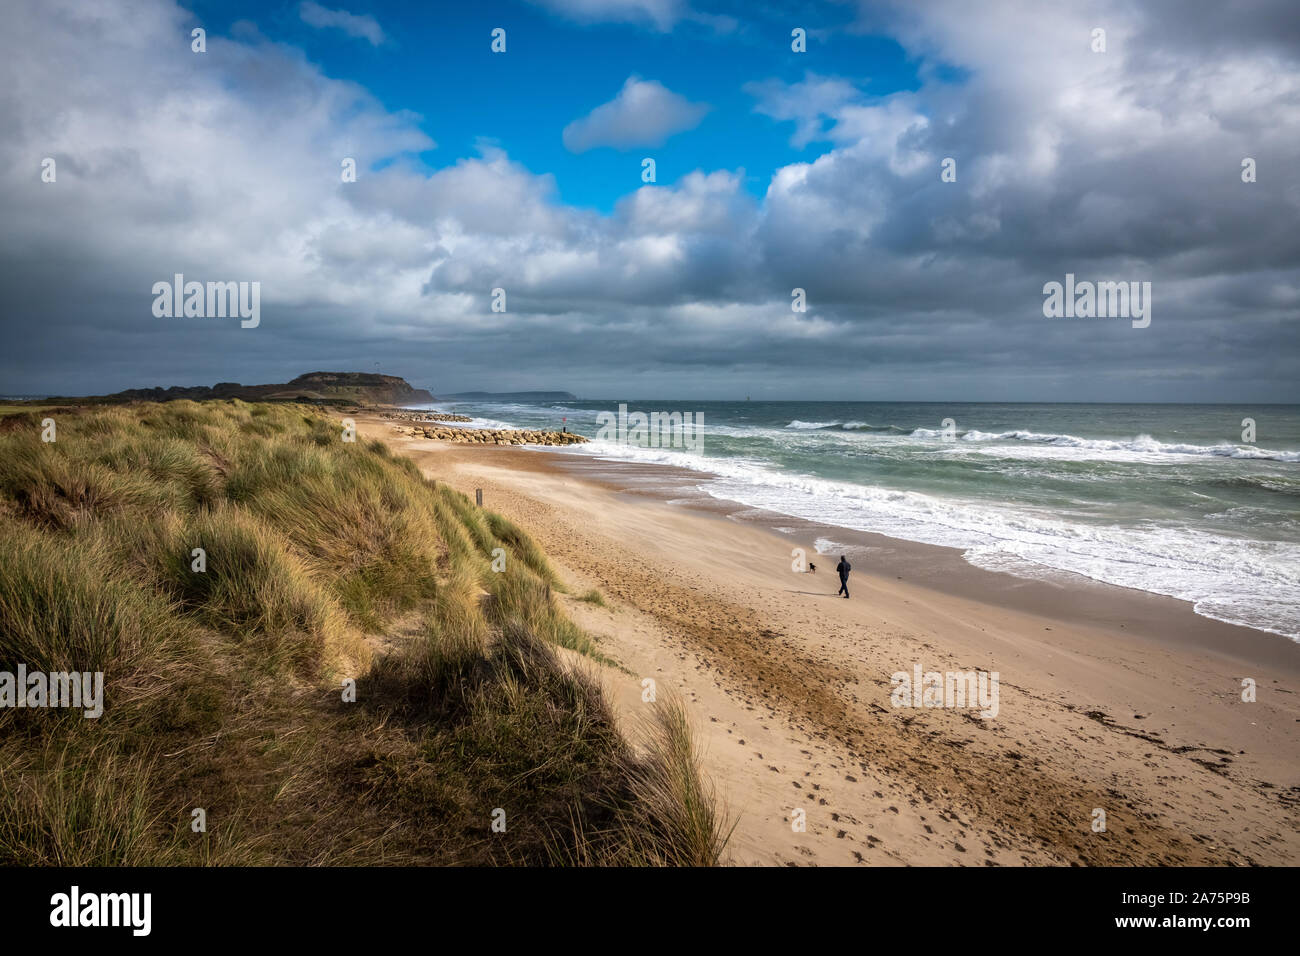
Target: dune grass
233, 569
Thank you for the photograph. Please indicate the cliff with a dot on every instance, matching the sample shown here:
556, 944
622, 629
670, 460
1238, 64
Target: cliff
364, 388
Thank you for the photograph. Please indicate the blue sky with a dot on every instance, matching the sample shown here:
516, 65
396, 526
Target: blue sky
435, 60
782, 179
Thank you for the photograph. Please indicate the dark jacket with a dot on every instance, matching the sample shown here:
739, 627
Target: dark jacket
843, 568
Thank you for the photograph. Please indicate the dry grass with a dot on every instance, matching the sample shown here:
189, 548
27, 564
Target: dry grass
325, 560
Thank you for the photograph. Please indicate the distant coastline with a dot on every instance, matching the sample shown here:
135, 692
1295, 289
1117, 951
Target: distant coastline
366, 388
527, 397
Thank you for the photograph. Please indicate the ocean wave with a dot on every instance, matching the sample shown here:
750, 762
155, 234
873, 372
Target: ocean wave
827, 546
848, 427
868, 427
1225, 577
480, 422
1143, 444
1214, 565
1277, 484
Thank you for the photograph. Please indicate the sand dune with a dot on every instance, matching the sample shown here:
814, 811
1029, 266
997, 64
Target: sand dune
1107, 701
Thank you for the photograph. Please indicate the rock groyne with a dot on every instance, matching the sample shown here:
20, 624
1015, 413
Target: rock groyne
490, 436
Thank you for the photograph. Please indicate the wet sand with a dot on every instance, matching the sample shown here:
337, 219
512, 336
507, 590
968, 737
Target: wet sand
1109, 700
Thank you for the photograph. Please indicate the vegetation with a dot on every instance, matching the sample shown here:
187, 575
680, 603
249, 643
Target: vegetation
230, 568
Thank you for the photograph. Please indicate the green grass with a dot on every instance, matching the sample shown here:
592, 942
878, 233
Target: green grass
325, 560
593, 597
519, 597
521, 547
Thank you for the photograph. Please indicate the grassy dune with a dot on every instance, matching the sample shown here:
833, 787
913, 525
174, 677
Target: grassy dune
325, 561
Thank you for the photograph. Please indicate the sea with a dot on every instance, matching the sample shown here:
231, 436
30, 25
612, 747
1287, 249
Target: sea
1197, 502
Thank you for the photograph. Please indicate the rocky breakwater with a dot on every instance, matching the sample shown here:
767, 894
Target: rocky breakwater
490, 436
426, 417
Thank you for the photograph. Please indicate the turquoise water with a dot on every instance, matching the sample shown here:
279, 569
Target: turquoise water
1163, 498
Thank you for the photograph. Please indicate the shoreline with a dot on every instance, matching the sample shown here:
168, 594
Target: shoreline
1110, 699
1246, 621
1070, 598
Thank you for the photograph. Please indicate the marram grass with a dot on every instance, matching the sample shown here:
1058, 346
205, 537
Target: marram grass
230, 568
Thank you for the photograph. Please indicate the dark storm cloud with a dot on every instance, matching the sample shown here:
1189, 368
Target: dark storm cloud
1123, 165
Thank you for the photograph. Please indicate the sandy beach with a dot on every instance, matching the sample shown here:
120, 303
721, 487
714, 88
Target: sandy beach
1110, 700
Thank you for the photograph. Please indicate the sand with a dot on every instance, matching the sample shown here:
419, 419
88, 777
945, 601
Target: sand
1109, 700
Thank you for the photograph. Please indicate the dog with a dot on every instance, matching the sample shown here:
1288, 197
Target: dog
812, 568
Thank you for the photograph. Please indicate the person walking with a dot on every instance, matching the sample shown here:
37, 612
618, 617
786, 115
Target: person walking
844, 568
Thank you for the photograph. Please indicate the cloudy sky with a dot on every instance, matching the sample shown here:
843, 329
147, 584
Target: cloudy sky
774, 170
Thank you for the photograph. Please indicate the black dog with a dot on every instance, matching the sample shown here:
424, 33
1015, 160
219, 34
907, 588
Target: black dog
812, 568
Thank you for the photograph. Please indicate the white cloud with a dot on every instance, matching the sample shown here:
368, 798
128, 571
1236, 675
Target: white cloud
661, 14
363, 26
713, 203
644, 113
226, 166
808, 103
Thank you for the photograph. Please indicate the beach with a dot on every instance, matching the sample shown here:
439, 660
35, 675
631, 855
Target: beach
1120, 735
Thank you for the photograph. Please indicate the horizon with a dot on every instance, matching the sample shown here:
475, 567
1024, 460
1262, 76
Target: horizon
449, 396
760, 401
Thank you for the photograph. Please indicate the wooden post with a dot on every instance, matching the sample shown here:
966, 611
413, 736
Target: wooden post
478, 497
548, 593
